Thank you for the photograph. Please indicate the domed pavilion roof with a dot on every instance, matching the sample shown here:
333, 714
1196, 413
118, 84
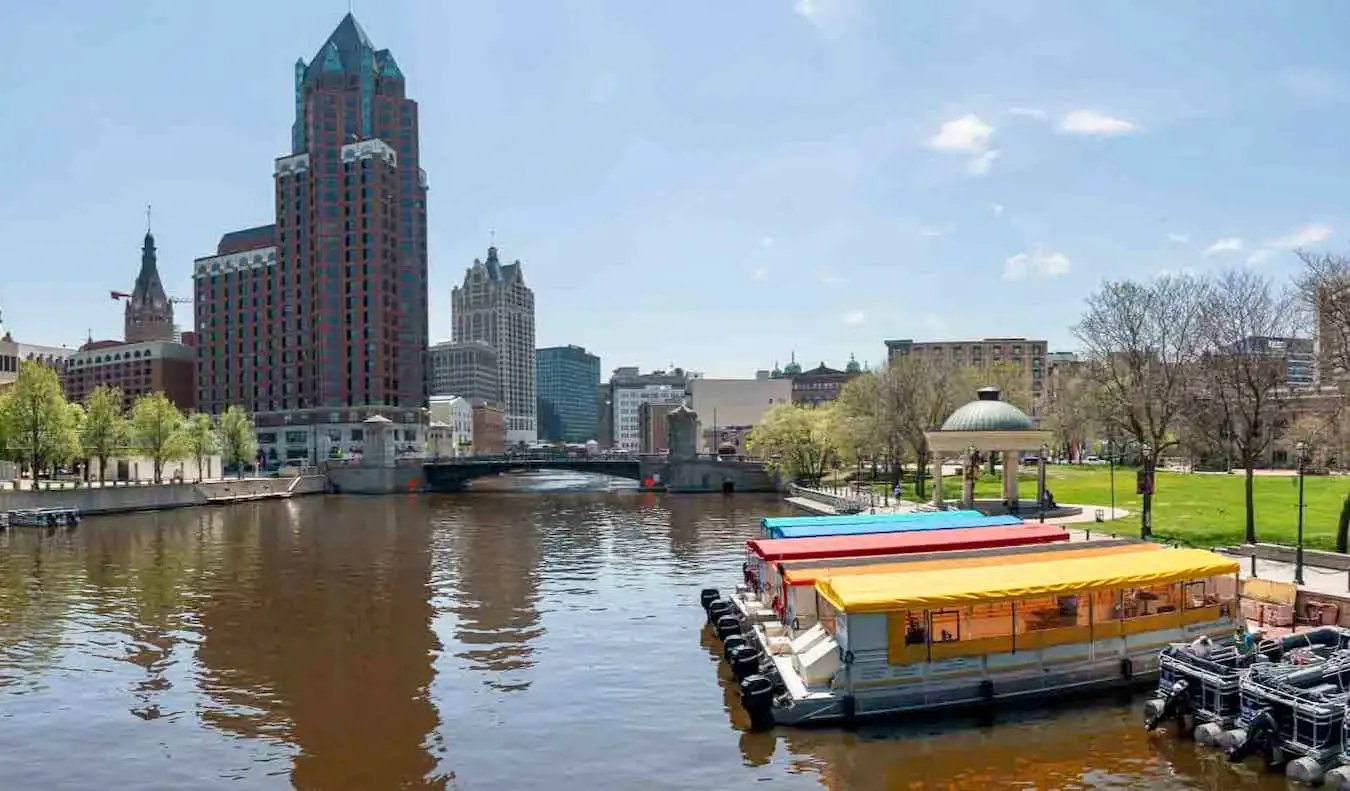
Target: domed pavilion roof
988, 413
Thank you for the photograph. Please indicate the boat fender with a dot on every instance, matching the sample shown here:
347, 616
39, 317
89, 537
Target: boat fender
731, 644
848, 658
708, 596
987, 691
726, 626
757, 700
1127, 668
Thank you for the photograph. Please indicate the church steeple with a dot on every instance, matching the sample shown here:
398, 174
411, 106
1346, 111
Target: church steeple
149, 314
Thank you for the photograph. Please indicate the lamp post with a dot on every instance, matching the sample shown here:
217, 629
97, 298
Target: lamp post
1302, 450
1111, 460
1040, 488
1145, 488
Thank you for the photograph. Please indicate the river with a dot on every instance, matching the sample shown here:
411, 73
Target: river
546, 639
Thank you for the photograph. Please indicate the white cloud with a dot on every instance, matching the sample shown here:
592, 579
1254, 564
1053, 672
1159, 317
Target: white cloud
761, 273
996, 209
968, 133
1035, 263
1179, 238
1034, 113
854, 317
1307, 235
830, 277
1092, 122
1229, 244
981, 163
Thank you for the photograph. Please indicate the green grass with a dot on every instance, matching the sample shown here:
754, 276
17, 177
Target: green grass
1197, 509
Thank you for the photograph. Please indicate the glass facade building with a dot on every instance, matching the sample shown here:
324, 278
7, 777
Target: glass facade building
567, 378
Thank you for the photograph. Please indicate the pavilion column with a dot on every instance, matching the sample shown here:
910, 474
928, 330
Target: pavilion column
937, 479
1040, 478
968, 484
1010, 476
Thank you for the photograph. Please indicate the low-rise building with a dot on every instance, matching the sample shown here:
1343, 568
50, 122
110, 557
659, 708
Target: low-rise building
729, 408
137, 369
489, 429
629, 390
653, 428
818, 385
455, 413
313, 435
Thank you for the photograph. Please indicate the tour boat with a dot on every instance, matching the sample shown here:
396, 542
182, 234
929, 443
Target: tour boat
932, 520
937, 639
761, 602
803, 600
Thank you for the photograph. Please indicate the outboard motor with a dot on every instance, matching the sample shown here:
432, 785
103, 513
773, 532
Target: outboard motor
719, 608
731, 644
726, 626
1175, 704
745, 661
757, 699
707, 597
1262, 733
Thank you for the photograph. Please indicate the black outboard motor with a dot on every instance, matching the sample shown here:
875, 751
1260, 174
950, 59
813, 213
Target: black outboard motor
757, 699
1176, 704
719, 608
708, 596
727, 625
731, 644
1262, 734
745, 661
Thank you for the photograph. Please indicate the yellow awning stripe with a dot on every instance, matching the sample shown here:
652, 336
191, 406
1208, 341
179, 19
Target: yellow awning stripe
807, 575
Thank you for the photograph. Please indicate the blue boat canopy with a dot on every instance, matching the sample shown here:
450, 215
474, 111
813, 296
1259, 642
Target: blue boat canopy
939, 520
770, 523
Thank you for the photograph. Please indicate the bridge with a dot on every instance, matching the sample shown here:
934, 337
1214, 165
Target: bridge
443, 475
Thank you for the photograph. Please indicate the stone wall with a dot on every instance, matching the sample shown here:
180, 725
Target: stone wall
124, 499
358, 479
710, 475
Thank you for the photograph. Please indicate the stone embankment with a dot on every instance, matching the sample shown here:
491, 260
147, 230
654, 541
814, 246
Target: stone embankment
124, 499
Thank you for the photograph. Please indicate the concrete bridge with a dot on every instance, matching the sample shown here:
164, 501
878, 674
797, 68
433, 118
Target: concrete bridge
445, 475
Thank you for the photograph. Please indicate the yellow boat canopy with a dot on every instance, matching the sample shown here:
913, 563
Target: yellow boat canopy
810, 575
958, 587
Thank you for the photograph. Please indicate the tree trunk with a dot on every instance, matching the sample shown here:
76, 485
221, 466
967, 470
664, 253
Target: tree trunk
102, 467
1251, 504
158, 467
1343, 527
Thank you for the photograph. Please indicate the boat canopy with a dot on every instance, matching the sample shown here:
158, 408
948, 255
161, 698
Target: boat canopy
904, 543
771, 523
939, 520
935, 589
808, 575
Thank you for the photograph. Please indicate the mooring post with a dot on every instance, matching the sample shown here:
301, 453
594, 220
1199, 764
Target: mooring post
1253, 562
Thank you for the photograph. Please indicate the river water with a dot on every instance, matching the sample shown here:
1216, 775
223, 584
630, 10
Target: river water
546, 639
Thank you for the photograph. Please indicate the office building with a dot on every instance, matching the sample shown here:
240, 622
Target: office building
1297, 354
566, 378
1026, 353
629, 390
320, 319
494, 305
137, 369
468, 369
728, 408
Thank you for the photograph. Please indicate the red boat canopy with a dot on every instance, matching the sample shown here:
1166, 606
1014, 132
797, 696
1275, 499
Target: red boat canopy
777, 549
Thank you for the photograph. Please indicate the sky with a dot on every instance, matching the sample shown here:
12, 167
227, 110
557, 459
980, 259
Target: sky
712, 185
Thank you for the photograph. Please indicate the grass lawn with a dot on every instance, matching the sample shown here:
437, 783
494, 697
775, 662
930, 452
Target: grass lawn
1193, 508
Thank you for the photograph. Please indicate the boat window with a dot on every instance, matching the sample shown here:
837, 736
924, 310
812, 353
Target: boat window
1051, 612
946, 625
1151, 600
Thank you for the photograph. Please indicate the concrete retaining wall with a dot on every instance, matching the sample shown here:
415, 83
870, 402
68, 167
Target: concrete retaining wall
124, 499
355, 479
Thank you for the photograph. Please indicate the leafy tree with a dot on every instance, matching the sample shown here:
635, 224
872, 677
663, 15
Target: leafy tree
71, 449
36, 416
238, 442
199, 436
157, 431
797, 442
105, 427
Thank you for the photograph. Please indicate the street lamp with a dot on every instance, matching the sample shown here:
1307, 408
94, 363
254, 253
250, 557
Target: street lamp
1111, 460
1040, 489
1144, 486
1302, 450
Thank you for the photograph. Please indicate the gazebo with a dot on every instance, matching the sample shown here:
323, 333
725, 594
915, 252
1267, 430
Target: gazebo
987, 425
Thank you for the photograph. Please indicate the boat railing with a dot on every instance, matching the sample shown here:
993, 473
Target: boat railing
1307, 701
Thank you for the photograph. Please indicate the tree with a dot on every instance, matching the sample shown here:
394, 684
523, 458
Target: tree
200, 440
1244, 380
1069, 410
37, 418
238, 442
929, 387
105, 427
798, 442
157, 431
872, 412
71, 448
1143, 341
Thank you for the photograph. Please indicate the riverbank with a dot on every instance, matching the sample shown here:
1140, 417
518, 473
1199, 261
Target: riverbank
129, 499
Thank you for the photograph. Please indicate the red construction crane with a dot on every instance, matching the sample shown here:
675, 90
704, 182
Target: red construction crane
124, 295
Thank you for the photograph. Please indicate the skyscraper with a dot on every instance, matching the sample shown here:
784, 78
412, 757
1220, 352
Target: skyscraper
566, 378
327, 308
494, 305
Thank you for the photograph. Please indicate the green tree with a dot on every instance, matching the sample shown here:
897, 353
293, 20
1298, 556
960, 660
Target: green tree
105, 426
36, 416
71, 448
157, 431
238, 442
199, 434
798, 442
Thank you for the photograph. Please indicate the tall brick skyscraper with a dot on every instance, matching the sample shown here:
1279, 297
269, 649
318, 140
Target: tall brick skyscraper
328, 307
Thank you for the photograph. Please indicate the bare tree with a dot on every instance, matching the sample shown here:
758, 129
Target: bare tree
1143, 341
1070, 406
923, 390
1324, 291
1244, 378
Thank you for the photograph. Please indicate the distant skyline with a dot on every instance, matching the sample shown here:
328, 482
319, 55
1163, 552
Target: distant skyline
704, 184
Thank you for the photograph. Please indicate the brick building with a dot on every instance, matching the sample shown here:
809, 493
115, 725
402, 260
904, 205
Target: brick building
136, 368
489, 429
325, 310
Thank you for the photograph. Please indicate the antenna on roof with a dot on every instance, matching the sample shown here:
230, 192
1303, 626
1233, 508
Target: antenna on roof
492, 238
147, 218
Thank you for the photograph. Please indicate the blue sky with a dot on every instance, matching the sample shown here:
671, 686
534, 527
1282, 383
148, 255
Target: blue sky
705, 183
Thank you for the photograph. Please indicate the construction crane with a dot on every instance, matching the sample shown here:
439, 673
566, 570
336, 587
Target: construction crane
174, 300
